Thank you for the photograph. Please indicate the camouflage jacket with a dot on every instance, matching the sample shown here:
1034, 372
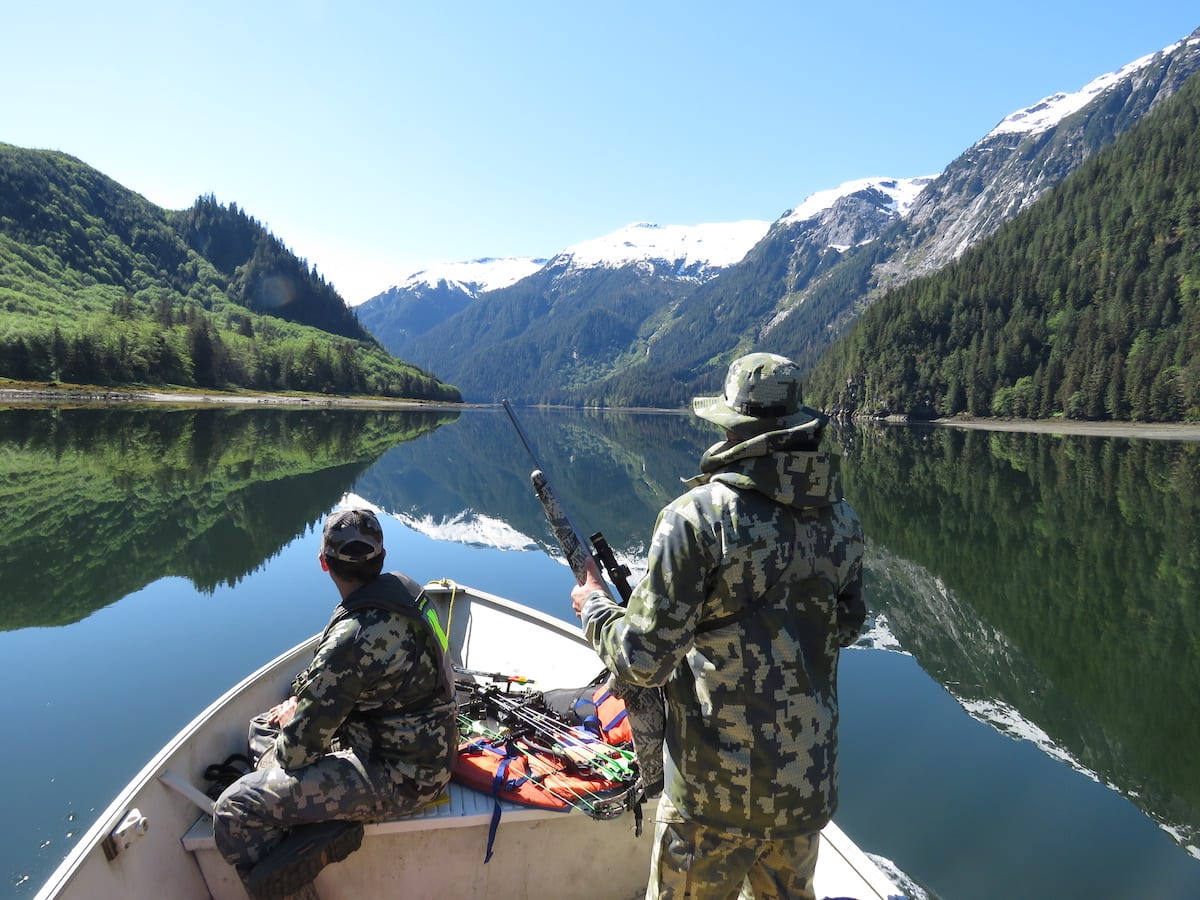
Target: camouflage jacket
378, 684
754, 583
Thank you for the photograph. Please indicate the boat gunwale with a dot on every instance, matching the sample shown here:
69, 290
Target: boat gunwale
120, 805
442, 590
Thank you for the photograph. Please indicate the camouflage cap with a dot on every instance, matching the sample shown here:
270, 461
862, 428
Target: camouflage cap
347, 527
762, 393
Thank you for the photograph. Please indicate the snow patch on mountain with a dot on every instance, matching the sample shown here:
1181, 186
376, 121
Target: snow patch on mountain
1007, 719
902, 192
466, 527
471, 528
1049, 111
474, 276
878, 635
686, 247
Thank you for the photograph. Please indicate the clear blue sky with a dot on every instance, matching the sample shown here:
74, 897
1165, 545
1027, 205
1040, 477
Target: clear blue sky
375, 137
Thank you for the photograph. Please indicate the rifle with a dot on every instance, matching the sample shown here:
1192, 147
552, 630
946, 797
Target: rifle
568, 536
644, 705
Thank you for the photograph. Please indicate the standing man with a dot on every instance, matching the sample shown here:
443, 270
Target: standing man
368, 733
754, 584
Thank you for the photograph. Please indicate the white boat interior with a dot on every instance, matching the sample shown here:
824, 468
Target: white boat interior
155, 839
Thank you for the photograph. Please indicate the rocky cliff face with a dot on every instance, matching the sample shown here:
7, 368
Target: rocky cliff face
1022, 158
1008, 170
853, 220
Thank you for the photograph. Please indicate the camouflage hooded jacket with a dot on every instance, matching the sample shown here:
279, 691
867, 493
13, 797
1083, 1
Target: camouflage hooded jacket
378, 684
754, 584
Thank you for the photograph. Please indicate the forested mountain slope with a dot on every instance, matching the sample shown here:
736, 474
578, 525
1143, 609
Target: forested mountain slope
550, 336
97, 285
1086, 306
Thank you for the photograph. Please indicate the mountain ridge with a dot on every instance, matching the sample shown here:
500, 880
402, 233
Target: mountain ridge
427, 325
797, 289
1085, 306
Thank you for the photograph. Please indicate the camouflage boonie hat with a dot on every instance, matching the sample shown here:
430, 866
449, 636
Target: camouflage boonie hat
348, 527
762, 393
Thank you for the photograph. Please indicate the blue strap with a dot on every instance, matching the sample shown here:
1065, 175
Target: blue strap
616, 720
620, 717
585, 711
498, 783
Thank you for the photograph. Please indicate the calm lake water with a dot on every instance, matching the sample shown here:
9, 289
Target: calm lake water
1022, 721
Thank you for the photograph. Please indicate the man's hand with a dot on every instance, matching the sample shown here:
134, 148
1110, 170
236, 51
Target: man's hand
591, 584
282, 713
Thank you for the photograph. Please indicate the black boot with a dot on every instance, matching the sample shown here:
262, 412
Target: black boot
300, 857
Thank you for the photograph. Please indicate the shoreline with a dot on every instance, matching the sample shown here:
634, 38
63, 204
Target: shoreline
1161, 431
94, 396
86, 396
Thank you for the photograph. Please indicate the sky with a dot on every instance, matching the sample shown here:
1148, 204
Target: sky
375, 138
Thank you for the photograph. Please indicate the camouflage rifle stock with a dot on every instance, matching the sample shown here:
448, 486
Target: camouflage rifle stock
568, 536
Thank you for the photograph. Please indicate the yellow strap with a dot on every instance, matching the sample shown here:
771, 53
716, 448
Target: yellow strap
431, 615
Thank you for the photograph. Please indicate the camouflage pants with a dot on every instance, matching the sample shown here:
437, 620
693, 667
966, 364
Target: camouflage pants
254, 813
689, 860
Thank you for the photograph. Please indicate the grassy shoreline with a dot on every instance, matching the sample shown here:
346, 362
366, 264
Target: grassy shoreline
27, 394
92, 395
1164, 431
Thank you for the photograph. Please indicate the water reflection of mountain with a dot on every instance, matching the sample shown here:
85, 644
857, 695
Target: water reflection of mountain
1056, 577
479, 470
98, 503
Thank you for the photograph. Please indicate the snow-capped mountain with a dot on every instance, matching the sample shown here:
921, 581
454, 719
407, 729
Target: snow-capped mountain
736, 311
901, 192
563, 323
689, 251
472, 277
1028, 152
680, 255
1049, 111
650, 315
850, 215
407, 310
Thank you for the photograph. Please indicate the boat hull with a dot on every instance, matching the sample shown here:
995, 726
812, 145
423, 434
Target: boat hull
437, 852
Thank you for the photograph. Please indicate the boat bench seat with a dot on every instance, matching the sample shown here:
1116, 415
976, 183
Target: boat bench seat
414, 850
459, 807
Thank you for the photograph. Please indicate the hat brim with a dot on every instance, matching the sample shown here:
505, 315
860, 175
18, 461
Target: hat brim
717, 411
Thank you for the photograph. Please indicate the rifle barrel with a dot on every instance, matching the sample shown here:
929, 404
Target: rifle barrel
521, 434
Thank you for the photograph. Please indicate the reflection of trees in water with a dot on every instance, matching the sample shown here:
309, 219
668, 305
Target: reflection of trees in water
1057, 575
1066, 573
97, 503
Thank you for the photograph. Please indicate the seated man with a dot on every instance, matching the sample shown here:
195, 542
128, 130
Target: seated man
368, 733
